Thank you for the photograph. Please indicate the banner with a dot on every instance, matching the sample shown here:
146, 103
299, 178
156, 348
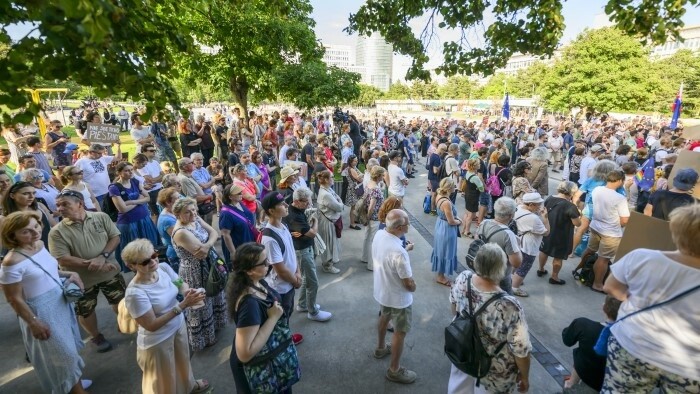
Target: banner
102, 133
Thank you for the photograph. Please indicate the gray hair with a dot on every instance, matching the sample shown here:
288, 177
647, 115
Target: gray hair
371, 163
540, 154
504, 208
302, 193
182, 204
29, 174
396, 218
453, 148
490, 262
567, 188
196, 155
603, 168
169, 180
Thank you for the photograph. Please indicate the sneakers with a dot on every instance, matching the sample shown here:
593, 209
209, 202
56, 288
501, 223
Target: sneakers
320, 316
300, 308
330, 270
403, 375
381, 353
520, 292
101, 344
297, 338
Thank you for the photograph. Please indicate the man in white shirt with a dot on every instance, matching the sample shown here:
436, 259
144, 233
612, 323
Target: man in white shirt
123, 117
556, 142
393, 288
141, 135
533, 225
588, 162
94, 169
610, 215
397, 178
153, 174
288, 143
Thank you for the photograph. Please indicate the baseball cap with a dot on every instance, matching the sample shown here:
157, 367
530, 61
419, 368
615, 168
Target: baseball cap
70, 148
271, 200
96, 148
685, 179
532, 198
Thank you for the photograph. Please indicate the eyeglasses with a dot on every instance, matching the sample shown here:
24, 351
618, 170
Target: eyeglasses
71, 193
266, 262
146, 262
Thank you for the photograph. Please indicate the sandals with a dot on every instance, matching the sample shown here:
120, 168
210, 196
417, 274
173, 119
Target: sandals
445, 283
201, 386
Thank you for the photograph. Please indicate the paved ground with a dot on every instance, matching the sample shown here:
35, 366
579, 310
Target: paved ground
337, 356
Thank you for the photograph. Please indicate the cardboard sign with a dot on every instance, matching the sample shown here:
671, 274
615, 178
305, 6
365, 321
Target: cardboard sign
692, 132
645, 232
686, 159
102, 133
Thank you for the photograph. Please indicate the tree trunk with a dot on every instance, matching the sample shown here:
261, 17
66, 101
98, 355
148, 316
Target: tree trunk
239, 88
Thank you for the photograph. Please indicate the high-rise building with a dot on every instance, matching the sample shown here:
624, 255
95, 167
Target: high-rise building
377, 57
691, 37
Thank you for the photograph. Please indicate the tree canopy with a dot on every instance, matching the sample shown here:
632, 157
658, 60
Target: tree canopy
525, 26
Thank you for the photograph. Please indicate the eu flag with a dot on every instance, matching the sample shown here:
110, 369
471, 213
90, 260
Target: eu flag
645, 175
506, 108
676, 109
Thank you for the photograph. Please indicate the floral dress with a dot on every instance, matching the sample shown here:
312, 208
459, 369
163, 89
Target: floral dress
378, 195
201, 322
351, 198
502, 321
521, 186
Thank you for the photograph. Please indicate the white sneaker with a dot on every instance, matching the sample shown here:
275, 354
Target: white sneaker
320, 316
300, 309
330, 270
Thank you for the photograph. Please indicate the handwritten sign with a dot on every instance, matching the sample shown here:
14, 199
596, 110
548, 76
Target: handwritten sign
102, 133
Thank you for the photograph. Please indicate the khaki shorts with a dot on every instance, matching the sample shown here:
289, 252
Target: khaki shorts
113, 290
556, 156
604, 245
401, 317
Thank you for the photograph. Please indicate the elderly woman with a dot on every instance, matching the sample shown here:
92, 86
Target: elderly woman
162, 351
240, 177
173, 180
22, 197
354, 192
192, 239
131, 200
237, 223
644, 349
501, 323
44, 191
444, 256
30, 279
253, 172
374, 198
72, 178
539, 176
167, 197
330, 210
256, 310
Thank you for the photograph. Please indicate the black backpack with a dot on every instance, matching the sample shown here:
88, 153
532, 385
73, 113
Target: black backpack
585, 274
270, 233
108, 206
476, 245
463, 344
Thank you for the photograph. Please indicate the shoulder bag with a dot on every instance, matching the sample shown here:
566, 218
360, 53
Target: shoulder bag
71, 293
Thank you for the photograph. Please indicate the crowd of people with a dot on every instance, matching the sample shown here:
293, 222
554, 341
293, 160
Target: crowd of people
269, 192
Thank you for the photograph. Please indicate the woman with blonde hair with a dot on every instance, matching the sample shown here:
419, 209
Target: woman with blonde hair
72, 178
444, 256
162, 351
374, 198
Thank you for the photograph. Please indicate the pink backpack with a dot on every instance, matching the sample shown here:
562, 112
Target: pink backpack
493, 185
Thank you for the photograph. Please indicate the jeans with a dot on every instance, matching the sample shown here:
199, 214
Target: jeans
309, 279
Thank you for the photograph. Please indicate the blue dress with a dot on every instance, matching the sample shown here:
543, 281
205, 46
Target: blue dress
444, 256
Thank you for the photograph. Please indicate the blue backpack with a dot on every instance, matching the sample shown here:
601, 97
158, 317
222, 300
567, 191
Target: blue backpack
426, 203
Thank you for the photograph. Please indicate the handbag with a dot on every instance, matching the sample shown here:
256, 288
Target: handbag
126, 323
215, 280
71, 293
251, 227
359, 191
601, 346
205, 208
337, 224
276, 367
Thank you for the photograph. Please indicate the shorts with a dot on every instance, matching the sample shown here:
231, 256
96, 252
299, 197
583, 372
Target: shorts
401, 317
605, 246
556, 156
485, 199
434, 185
112, 289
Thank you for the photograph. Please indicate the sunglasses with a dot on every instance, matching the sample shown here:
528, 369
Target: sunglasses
146, 262
266, 262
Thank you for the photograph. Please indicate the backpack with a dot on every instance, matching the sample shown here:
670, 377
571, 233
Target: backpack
513, 226
493, 184
362, 210
108, 206
427, 203
476, 245
463, 344
585, 274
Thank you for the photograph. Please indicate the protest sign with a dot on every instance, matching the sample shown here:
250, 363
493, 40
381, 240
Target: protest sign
686, 159
645, 232
692, 132
102, 133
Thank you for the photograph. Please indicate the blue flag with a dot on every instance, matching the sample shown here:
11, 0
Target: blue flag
646, 175
676, 109
506, 108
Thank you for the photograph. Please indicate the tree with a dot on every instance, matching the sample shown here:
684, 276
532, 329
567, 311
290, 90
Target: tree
124, 46
251, 42
314, 85
528, 82
398, 91
496, 87
681, 67
367, 97
457, 87
601, 70
525, 26
424, 90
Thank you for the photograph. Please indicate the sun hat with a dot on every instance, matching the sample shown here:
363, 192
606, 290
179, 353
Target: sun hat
286, 172
532, 198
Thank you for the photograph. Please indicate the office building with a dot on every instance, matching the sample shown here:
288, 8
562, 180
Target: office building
377, 57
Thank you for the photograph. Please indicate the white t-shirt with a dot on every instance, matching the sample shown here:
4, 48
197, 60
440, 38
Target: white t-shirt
452, 169
661, 154
139, 134
160, 297
391, 264
608, 207
530, 229
396, 177
275, 256
585, 168
95, 173
152, 169
669, 336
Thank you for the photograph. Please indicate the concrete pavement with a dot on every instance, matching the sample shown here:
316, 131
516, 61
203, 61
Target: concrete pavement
336, 356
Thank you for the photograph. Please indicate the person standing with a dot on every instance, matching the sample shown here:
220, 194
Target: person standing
433, 166
153, 175
94, 168
393, 288
164, 151
330, 208
236, 222
533, 224
397, 178
55, 143
663, 202
204, 130
374, 198
191, 188
141, 135
444, 256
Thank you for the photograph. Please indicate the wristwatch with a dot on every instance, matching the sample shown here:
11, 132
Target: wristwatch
106, 254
